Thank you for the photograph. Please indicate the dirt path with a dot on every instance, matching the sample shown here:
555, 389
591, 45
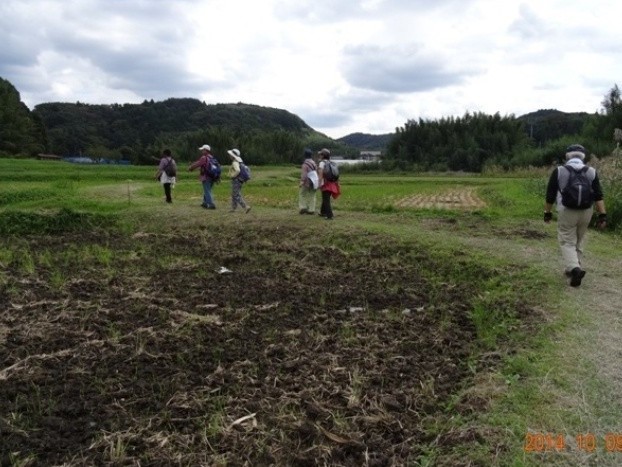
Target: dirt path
589, 347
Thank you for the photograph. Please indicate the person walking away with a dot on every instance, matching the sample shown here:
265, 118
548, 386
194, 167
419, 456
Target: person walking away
308, 184
167, 173
206, 180
237, 180
329, 188
575, 189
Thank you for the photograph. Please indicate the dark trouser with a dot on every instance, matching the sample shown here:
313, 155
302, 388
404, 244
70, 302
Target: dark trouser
326, 209
167, 192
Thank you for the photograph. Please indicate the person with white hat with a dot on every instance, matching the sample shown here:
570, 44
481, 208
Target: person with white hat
206, 180
236, 181
575, 189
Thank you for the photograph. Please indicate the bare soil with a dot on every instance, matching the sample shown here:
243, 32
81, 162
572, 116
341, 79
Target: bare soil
463, 198
315, 349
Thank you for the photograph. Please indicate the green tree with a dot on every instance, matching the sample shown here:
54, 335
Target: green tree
20, 132
458, 143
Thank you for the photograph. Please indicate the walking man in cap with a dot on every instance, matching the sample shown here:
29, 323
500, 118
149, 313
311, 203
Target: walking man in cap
207, 181
573, 219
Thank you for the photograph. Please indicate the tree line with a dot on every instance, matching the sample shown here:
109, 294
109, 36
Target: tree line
139, 132
474, 141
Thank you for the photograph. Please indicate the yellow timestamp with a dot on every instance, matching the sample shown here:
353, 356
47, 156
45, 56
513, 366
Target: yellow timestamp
587, 442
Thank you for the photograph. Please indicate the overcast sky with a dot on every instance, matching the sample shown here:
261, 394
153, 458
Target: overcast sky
343, 66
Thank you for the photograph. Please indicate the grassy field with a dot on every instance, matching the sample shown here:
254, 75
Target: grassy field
426, 325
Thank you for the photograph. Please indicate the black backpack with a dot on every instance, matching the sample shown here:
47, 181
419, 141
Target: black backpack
578, 193
331, 171
171, 168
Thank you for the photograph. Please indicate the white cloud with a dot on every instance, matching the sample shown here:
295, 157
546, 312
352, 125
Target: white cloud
342, 66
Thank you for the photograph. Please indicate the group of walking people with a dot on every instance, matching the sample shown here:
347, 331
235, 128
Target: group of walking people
312, 179
209, 174
573, 187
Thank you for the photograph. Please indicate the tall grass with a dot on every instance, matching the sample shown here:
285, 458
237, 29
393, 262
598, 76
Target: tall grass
610, 174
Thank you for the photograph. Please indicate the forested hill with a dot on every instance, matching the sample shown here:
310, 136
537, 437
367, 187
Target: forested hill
71, 127
550, 124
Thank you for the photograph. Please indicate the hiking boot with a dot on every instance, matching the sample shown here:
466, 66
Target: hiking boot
303, 211
576, 276
248, 209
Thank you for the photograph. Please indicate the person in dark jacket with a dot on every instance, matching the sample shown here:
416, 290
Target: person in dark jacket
329, 189
572, 223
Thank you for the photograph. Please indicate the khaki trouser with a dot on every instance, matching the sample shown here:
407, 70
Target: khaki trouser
572, 227
306, 199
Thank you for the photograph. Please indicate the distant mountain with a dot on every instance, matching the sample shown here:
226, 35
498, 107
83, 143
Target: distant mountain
116, 125
364, 141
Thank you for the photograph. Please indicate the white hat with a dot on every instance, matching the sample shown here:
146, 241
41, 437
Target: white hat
205, 147
235, 153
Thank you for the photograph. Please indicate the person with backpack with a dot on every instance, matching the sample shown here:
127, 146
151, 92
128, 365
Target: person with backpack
167, 173
575, 189
329, 183
308, 184
208, 175
239, 174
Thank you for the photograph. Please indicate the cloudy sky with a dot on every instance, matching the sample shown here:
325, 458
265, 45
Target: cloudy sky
343, 66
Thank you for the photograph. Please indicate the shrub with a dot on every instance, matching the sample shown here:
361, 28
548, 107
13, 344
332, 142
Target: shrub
610, 174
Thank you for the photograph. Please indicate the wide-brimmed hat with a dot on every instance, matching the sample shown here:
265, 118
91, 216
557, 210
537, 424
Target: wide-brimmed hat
205, 147
235, 153
324, 152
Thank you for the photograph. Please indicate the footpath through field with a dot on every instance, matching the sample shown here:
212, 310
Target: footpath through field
583, 379
585, 376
